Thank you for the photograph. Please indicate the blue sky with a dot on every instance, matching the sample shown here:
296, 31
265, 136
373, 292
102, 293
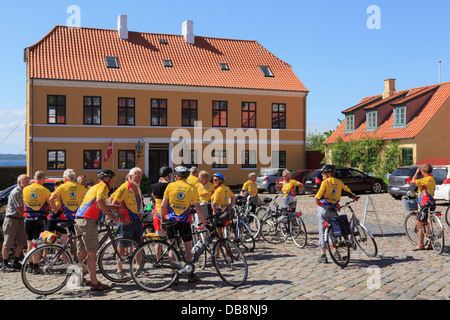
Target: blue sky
327, 43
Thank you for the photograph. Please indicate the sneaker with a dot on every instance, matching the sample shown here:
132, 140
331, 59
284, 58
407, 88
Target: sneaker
6, 267
337, 256
323, 259
16, 265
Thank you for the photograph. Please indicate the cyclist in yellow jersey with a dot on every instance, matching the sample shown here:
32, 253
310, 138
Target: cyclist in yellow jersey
250, 188
94, 205
426, 187
327, 199
165, 176
193, 177
205, 191
220, 200
288, 198
178, 197
69, 195
36, 201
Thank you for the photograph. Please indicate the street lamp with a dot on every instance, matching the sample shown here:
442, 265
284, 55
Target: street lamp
139, 148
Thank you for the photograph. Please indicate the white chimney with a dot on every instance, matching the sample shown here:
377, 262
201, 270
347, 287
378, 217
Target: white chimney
122, 26
188, 31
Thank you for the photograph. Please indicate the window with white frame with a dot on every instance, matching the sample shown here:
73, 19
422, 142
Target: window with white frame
400, 116
371, 120
350, 122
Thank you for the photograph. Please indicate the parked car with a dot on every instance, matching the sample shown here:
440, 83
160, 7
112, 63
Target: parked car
356, 180
441, 175
296, 175
400, 181
267, 179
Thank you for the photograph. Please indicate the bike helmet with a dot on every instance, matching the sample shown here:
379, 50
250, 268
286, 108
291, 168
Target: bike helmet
220, 176
329, 168
165, 171
105, 174
182, 172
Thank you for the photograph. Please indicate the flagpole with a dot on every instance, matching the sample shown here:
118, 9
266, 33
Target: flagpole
440, 71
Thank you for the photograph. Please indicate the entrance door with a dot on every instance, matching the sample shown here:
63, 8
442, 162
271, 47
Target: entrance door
157, 158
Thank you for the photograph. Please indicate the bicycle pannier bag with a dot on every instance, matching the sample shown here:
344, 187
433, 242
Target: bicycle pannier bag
340, 225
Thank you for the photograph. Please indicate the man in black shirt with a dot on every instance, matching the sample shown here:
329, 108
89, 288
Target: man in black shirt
165, 177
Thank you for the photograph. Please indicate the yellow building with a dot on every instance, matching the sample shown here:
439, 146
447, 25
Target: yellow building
417, 118
175, 97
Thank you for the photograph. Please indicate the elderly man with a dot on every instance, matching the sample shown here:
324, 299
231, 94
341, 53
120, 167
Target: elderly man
13, 226
36, 205
193, 177
129, 196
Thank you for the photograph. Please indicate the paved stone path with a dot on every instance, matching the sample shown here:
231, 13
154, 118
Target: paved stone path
285, 272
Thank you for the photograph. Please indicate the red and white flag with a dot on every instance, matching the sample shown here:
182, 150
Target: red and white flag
108, 152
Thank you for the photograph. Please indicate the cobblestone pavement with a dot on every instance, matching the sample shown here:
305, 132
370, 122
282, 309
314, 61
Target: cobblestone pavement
285, 272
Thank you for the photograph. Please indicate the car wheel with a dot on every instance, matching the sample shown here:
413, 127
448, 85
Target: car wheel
272, 189
377, 187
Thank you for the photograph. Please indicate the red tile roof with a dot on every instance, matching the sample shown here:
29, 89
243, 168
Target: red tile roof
386, 131
79, 54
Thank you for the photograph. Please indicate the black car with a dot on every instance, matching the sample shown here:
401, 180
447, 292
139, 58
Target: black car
354, 179
399, 181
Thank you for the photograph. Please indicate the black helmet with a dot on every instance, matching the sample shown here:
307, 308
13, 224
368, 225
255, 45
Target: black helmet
329, 168
165, 171
105, 174
182, 172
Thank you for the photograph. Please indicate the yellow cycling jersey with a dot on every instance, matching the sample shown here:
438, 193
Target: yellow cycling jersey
330, 191
35, 199
192, 180
289, 187
221, 196
205, 191
127, 198
89, 208
426, 187
70, 195
251, 188
180, 195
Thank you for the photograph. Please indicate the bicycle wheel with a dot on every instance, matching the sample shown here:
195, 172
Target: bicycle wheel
271, 231
113, 259
246, 239
338, 248
44, 271
365, 240
154, 266
202, 259
436, 234
411, 229
229, 262
254, 223
298, 231
447, 215
262, 213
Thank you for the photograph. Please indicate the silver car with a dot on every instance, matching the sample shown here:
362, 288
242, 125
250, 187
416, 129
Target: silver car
267, 178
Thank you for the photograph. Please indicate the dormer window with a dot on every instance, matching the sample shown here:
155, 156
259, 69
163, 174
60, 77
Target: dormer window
371, 120
350, 123
266, 71
111, 62
399, 116
167, 63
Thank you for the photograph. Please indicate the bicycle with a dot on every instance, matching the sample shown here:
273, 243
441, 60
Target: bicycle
282, 224
342, 235
47, 268
163, 261
433, 230
243, 206
447, 215
238, 231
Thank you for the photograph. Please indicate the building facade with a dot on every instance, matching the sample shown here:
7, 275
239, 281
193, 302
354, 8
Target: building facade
417, 118
158, 99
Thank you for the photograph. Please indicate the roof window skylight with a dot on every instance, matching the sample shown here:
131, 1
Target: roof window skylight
224, 66
266, 71
167, 63
111, 62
